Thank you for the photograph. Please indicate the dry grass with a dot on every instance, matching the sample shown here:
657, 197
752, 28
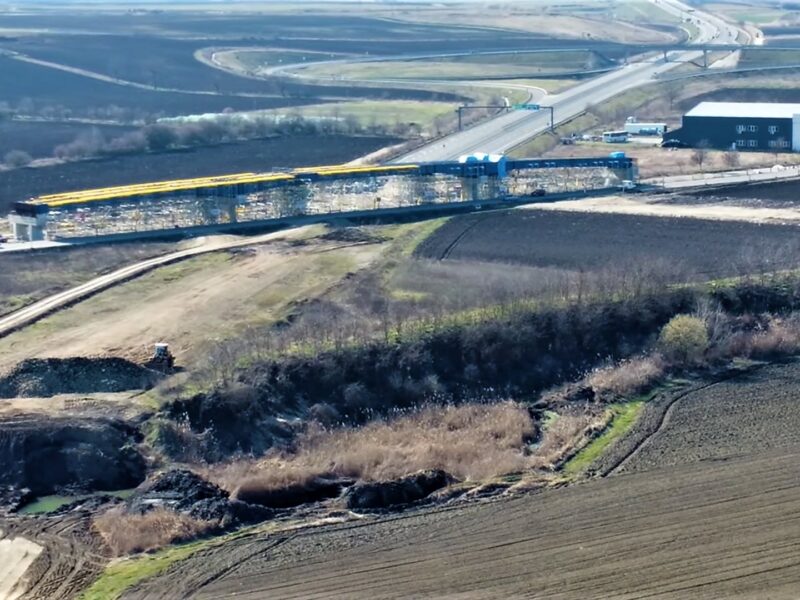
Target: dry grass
131, 533
628, 377
471, 442
781, 338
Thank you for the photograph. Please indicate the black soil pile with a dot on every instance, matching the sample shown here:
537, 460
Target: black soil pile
186, 492
385, 494
50, 455
314, 489
44, 377
230, 422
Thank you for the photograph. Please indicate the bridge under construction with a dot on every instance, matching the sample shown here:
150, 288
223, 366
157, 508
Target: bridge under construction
250, 200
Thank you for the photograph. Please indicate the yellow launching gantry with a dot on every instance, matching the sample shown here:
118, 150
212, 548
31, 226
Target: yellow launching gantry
211, 184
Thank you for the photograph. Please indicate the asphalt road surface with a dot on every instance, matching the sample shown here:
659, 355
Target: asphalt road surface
502, 133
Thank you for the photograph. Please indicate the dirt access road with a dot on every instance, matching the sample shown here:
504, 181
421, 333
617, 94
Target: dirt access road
707, 530
29, 314
188, 304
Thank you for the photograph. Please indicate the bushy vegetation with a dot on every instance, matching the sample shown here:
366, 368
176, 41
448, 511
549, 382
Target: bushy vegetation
515, 353
684, 339
184, 134
17, 158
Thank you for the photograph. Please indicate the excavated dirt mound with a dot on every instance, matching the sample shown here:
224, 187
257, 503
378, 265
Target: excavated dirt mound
383, 494
314, 490
186, 492
44, 377
48, 455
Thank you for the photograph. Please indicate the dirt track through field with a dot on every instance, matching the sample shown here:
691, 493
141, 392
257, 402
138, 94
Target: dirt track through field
708, 530
187, 305
650, 206
44, 307
69, 556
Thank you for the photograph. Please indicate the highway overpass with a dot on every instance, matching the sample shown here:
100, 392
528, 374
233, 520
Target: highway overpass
508, 130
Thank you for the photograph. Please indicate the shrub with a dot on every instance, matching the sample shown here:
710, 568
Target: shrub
17, 158
684, 339
131, 533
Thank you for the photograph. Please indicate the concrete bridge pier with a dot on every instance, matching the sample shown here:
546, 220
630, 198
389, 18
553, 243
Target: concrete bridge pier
631, 173
470, 189
28, 228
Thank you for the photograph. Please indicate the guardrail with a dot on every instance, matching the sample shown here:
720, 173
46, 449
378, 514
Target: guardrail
724, 178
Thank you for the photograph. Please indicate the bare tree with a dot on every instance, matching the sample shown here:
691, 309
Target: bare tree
780, 143
732, 158
700, 154
672, 91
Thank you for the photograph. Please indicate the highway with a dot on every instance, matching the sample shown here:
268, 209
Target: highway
506, 131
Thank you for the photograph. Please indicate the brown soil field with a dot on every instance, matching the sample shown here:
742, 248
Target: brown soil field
590, 241
706, 508
751, 413
708, 530
772, 194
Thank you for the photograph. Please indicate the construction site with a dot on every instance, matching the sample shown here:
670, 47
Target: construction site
251, 200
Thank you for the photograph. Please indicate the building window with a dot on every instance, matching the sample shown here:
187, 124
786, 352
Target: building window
741, 128
773, 129
741, 143
752, 143
752, 128
778, 143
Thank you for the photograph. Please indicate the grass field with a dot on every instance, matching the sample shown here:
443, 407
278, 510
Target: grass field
27, 277
757, 14
623, 417
510, 66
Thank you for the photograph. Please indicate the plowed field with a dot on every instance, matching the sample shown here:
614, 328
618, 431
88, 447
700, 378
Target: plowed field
700, 528
746, 415
577, 240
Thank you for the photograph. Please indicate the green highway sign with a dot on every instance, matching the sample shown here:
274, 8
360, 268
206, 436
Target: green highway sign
525, 106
